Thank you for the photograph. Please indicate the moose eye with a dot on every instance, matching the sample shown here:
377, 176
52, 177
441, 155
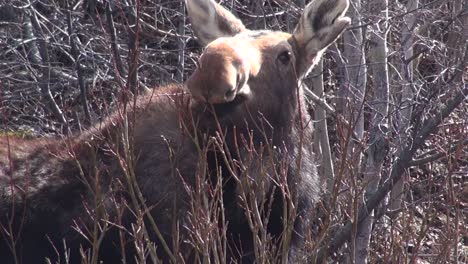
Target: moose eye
284, 57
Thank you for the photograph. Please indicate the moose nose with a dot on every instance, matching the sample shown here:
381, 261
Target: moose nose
230, 95
223, 72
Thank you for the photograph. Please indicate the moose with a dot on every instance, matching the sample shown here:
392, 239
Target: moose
227, 156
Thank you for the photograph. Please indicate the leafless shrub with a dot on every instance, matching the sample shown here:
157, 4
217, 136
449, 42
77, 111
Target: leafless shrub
428, 227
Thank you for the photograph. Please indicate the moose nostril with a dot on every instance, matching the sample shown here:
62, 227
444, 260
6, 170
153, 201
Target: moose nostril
229, 95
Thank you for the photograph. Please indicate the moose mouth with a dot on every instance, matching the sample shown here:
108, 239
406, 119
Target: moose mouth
223, 109
238, 99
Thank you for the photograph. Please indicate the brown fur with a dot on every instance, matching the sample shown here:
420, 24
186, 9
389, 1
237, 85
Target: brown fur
45, 183
252, 148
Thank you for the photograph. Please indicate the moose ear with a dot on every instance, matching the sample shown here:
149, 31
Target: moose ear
211, 21
320, 25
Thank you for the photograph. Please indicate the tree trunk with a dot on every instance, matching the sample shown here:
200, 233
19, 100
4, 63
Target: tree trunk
321, 138
378, 143
351, 95
407, 89
352, 89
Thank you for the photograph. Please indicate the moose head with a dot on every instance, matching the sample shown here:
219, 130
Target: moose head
261, 66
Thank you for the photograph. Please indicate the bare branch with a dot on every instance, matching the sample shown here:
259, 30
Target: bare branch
79, 70
424, 160
44, 55
402, 163
114, 46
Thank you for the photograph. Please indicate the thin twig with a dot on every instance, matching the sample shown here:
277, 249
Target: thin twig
402, 163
